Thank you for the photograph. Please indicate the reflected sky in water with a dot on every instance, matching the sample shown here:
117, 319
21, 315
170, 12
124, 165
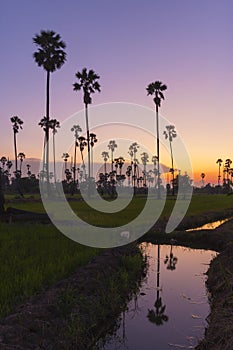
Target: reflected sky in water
210, 225
171, 308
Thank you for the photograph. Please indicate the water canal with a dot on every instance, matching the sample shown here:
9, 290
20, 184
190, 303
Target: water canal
171, 307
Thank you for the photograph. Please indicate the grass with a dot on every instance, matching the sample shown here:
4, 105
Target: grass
97, 311
200, 204
33, 258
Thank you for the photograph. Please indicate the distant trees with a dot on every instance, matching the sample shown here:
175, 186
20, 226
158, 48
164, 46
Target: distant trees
156, 89
51, 56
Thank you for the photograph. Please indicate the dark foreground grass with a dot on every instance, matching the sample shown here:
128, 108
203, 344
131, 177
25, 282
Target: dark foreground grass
33, 257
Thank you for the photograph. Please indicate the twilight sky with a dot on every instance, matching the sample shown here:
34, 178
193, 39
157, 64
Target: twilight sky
186, 44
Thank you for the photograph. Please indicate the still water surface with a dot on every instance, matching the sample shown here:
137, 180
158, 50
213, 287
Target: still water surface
172, 305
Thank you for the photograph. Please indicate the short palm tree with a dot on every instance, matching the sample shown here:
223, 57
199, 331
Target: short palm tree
54, 124
156, 89
21, 157
112, 145
219, 162
170, 134
144, 159
51, 56
93, 140
88, 82
202, 179
105, 157
17, 125
76, 129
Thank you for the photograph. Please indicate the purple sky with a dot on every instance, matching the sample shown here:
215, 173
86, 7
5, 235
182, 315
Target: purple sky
186, 44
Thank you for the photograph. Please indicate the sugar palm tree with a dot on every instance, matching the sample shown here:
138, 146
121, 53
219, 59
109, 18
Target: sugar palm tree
51, 56
17, 125
170, 134
93, 140
21, 157
82, 143
112, 145
88, 82
105, 156
76, 129
227, 166
54, 124
155, 89
144, 159
202, 179
133, 148
157, 315
171, 260
219, 162
65, 156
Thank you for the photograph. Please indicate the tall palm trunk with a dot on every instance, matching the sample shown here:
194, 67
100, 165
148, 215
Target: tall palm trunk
88, 141
157, 131
173, 189
47, 130
15, 147
75, 156
54, 160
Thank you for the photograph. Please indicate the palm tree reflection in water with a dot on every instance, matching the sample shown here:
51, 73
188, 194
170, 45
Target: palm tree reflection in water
157, 314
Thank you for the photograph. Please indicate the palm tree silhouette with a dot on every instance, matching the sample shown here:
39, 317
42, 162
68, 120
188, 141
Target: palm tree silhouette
65, 156
21, 157
157, 315
170, 134
133, 148
17, 124
144, 159
156, 89
202, 179
219, 162
227, 166
87, 81
171, 260
82, 143
93, 140
76, 129
51, 56
105, 157
112, 145
54, 125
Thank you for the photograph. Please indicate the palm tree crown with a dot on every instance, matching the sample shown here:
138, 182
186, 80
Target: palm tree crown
87, 80
156, 89
50, 55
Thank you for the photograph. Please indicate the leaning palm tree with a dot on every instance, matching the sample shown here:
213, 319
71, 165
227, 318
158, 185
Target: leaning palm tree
155, 89
170, 134
17, 124
219, 162
87, 81
51, 56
